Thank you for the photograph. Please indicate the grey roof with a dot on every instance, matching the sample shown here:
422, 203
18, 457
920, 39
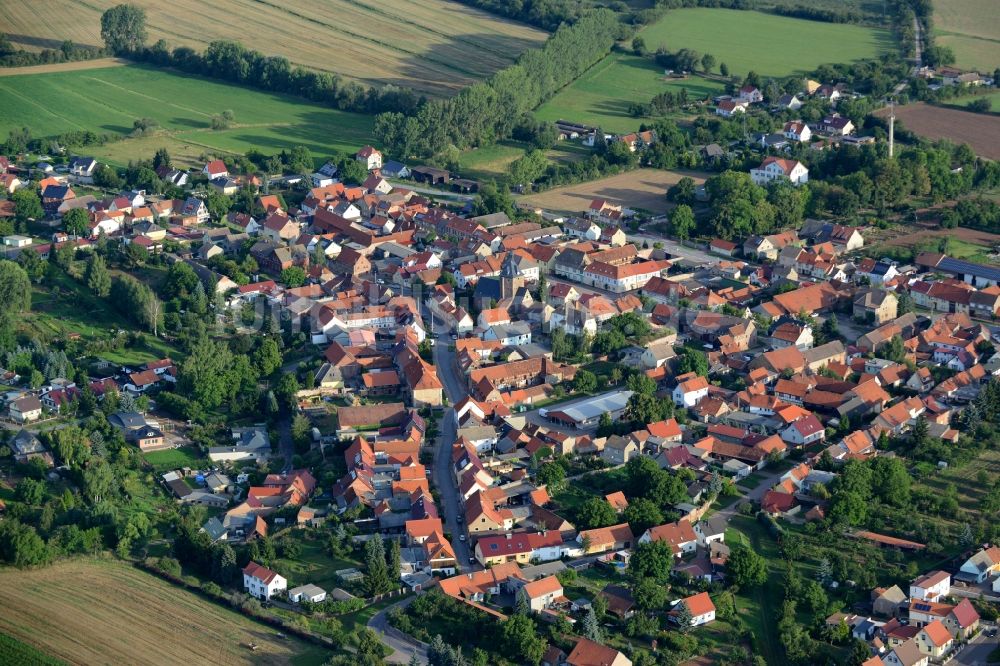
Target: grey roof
968, 268
214, 528
26, 442
591, 408
308, 590
252, 438
127, 420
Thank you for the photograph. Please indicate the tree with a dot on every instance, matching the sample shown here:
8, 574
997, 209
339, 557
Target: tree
27, 205
97, 277
824, 572
723, 69
591, 627
595, 512
376, 580
652, 560
745, 567
683, 617
707, 62
891, 480
267, 358
585, 381
859, 653
15, 289
520, 639
123, 28
293, 276
76, 222
395, 558
552, 475
161, 160
649, 594
641, 514
682, 222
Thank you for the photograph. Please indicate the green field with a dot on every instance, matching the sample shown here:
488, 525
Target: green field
970, 28
765, 43
601, 96
994, 98
110, 99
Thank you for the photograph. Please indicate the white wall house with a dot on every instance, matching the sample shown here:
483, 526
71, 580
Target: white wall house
931, 587
690, 392
776, 168
261, 582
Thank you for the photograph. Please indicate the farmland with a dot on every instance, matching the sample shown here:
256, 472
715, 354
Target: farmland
643, 188
434, 46
601, 96
971, 28
765, 43
980, 131
94, 611
110, 99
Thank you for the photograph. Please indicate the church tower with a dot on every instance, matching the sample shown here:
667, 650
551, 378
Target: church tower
510, 277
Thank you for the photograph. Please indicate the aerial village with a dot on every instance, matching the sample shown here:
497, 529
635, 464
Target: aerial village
591, 441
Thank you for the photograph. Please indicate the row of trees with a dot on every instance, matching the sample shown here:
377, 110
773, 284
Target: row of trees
486, 112
11, 56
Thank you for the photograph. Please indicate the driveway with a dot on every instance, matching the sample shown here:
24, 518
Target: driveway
767, 481
404, 646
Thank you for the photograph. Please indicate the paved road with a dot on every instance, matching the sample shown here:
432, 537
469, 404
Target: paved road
403, 645
444, 479
975, 653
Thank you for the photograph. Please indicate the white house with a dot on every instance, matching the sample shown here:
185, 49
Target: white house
701, 608
83, 167
728, 108
931, 587
216, 169
690, 392
751, 95
370, 157
28, 408
796, 130
516, 333
803, 431
310, 593
777, 168
982, 565
261, 582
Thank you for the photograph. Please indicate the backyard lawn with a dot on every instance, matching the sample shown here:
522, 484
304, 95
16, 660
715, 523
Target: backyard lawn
185, 456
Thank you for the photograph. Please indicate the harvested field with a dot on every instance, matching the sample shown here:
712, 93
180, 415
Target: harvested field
980, 131
642, 188
971, 28
434, 46
89, 611
96, 63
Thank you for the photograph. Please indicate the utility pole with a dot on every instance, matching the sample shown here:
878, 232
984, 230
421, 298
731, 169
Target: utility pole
892, 126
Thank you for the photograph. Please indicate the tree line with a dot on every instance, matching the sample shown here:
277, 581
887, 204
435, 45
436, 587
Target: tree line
486, 112
11, 56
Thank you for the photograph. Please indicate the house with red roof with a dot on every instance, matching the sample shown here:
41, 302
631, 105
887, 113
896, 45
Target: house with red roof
216, 169
778, 168
370, 157
261, 582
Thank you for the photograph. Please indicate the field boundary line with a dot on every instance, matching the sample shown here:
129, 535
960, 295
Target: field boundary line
149, 97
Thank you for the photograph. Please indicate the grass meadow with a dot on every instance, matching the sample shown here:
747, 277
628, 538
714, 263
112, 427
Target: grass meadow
971, 28
101, 611
110, 99
601, 96
768, 44
434, 46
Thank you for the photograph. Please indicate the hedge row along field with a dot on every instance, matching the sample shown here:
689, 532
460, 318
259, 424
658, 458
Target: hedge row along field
436, 47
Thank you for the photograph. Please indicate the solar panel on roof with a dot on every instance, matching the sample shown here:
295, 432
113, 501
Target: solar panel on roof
978, 270
923, 607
